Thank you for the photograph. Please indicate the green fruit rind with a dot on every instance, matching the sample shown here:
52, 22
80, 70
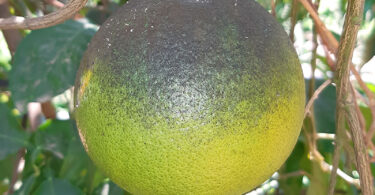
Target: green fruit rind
160, 117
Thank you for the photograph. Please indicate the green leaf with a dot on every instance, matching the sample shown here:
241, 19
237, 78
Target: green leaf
27, 186
54, 136
80, 171
324, 112
54, 186
293, 185
69, 160
46, 61
371, 87
325, 109
6, 167
12, 137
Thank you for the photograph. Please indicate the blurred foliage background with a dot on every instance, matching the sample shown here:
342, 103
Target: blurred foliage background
40, 150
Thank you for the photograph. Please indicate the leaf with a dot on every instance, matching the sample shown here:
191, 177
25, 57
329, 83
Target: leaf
12, 137
325, 109
293, 185
54, 186
80, 171
6, 167
371, 87
54, 136
70, 161
46, 61
27, 186
324, 112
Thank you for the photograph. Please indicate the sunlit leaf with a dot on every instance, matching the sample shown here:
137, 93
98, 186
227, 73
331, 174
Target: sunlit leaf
46, 61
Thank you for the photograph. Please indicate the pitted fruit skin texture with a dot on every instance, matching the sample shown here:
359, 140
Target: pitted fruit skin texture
189, 97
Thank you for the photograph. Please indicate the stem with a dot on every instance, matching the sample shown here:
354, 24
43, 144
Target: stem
315, 96
273, 8
345, 107
57, 17
48, 110
328, 37
12, 37
293, 19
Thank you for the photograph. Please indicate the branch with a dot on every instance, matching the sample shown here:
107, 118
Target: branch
371, 105
316, 156
327, 167
55, 3
351, 27
48, 110
345, 101
340, 173
273, 8
327, 136
57, 17
329, 39
293, 20
16, 172
340, 130
12, 37
315, 96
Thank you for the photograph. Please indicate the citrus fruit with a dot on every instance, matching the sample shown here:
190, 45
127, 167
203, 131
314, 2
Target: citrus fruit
189, 96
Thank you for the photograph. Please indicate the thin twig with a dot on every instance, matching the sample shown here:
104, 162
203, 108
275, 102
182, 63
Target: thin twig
327, 136
313, 64
371, 102
294, 174
12, 37
340, 131
15, 172
316, 95
293, 19
59, 16
55, 3
328, 168
317, 157
361, 118
329, 39
273, 8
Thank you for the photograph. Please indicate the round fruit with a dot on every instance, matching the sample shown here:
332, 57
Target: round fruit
189, 96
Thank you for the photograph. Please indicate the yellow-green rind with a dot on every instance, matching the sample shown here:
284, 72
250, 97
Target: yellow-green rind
218, 122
